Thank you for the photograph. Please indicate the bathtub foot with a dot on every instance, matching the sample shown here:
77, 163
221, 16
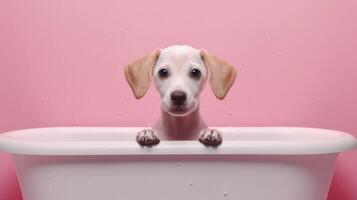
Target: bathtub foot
210, 137
147, 137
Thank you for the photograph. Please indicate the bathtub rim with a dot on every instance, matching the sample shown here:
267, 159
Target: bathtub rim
343, 142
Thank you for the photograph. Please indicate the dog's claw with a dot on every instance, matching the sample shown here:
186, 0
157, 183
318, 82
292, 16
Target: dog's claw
210, 137
147, 137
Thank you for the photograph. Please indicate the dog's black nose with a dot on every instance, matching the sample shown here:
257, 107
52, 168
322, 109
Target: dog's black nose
178, 97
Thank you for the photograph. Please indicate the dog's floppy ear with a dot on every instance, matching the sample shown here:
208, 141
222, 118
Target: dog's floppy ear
222, 74
138, 73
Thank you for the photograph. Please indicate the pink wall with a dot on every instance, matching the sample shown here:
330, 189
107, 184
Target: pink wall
61, 64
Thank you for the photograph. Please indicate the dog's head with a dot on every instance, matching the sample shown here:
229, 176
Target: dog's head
180, 73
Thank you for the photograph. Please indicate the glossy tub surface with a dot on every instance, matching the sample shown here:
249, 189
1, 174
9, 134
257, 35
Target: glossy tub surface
91, 163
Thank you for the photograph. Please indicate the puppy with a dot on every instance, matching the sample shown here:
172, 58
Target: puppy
180, 73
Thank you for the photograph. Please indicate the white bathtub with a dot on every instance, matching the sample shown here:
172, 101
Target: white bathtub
107, 164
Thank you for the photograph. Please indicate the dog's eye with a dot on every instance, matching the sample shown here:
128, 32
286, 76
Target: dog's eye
195, 73
163, 73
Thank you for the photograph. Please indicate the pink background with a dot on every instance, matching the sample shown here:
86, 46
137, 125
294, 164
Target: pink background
61, 64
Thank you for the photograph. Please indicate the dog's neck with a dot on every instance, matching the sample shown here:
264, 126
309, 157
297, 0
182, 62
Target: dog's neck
185, 127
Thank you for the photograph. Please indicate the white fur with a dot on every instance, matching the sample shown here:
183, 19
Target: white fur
179, 60
187, 123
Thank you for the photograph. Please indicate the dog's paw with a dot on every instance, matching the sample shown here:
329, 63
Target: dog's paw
210, 137
147, 137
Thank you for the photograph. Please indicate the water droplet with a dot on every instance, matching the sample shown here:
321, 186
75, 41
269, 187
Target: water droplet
318, 100
49, 176
149, 125
120, 113
225, 194
105, 39
230, 113
42, 98
191, 183
76, 123
240, 66
178, 164
249, 95
127, 96
268, 38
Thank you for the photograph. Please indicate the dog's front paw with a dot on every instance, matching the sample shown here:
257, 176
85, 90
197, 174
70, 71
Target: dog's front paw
147, 137
210, 137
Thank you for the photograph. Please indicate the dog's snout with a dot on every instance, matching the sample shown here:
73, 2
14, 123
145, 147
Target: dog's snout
178, 97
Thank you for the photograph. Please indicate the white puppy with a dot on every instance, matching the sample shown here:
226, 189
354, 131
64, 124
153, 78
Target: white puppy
180, 73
